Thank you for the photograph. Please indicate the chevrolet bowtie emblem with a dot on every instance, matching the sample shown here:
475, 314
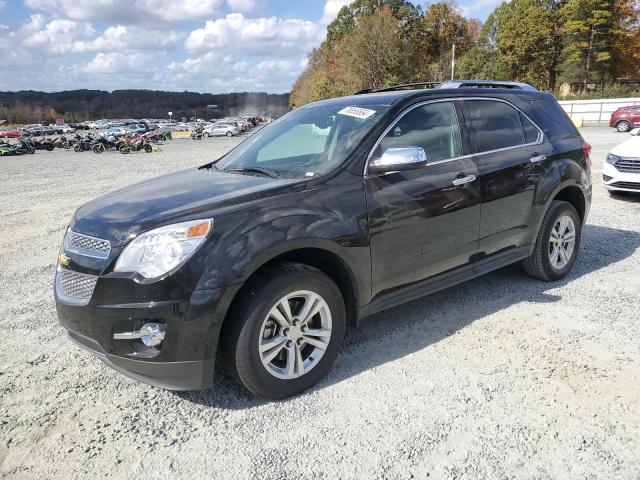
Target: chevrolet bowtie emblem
63, 260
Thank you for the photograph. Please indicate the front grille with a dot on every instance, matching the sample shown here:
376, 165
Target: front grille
75, 287
628, 165
629, 185
87, 245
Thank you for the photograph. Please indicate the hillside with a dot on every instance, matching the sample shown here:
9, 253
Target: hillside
80, 105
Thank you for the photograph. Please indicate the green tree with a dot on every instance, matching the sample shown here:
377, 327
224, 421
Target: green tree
525, 35
589, 36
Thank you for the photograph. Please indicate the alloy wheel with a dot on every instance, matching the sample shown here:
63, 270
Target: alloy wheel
562, 242
295, 334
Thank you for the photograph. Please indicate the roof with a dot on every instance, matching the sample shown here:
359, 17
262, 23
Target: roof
447, 89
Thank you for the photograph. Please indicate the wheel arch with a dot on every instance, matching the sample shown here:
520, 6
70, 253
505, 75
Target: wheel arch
328, 262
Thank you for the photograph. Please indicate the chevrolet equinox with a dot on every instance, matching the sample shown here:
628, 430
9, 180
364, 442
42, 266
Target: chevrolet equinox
337, 210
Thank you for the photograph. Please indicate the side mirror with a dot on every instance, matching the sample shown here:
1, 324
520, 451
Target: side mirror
635, 132
397, 159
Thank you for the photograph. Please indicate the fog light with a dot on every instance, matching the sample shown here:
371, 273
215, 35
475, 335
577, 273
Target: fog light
151, 334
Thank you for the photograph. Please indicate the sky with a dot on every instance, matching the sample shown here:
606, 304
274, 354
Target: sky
214, 46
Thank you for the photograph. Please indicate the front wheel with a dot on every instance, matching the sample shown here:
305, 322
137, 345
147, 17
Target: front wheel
124, 149
287, 331
623, 126
148, 148
557, 243
229, 134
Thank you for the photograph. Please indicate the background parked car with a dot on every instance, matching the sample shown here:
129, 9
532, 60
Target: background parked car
116, 132
625, 118
79, 126
138, 128
621, 169
13, 133
219, 129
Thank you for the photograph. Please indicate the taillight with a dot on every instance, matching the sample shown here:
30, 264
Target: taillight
586, 149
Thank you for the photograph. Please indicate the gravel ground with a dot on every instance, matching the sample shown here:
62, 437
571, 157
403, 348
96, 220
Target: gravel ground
501, 377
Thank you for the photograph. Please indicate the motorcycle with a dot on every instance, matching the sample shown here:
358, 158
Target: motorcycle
62, 142
102, 144
197, 134
84, 143
135, 144
44, 144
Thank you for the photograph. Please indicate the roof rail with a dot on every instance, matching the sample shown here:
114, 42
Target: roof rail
487, 84
403, 86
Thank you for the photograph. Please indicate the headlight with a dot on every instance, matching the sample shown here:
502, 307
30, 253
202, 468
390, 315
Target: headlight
154, 253
611, 158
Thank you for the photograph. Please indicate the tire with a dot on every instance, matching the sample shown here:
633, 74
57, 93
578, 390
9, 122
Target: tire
77, 148
623, 126
541, 264
148, 148
229, 134
252, 320
98, 148
206, 134
124, 149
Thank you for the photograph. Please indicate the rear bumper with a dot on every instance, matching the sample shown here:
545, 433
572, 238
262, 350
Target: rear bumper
187, 375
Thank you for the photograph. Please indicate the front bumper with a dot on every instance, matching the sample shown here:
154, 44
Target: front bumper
187, 375
614, 179
193, 319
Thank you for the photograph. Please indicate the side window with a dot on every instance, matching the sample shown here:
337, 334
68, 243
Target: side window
530, 131
433, 126
498, 125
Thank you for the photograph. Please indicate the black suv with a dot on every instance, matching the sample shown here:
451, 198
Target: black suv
337, 210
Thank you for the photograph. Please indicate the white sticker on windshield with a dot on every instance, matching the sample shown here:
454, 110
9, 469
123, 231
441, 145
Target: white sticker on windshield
357, 112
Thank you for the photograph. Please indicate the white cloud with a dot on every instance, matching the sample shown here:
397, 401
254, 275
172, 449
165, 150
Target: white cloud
479, 6
128, 11
56, 36
245, 5
273, 35
120, 38
331, 10
115, 63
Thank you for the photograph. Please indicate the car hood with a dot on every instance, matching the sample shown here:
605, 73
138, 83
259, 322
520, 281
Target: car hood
190, 194
629, 148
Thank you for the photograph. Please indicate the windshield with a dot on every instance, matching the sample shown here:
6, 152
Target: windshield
305, 142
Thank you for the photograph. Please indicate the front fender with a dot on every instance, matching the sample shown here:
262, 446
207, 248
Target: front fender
331, 218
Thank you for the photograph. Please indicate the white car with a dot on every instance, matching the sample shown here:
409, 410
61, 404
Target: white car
220, 129
621, 169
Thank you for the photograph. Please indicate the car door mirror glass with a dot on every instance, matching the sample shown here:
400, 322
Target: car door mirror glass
396, 159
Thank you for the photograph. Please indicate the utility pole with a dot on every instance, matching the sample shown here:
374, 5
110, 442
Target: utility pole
453, 61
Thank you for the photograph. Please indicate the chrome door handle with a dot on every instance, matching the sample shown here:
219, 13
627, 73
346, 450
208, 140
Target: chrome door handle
463, 180
538, 158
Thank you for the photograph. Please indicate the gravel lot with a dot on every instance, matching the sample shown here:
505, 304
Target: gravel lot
501, 377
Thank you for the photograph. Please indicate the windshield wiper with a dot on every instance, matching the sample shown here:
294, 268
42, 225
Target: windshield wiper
264, 171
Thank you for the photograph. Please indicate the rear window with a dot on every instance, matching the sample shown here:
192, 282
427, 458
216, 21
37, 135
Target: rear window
549, 116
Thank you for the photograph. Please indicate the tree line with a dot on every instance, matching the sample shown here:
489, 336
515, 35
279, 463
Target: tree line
81, 105
377, 43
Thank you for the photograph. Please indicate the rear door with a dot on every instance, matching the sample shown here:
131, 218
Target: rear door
425, 221
511, 156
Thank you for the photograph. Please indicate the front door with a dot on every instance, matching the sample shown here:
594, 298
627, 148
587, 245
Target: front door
425, 221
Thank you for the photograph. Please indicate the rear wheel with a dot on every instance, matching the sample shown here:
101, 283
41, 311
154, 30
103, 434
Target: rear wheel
287, 333
124, 149
623, 126
148, 148
98, 148
229, 134
557, 243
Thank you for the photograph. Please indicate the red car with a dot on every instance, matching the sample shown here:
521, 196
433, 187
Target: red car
625, 118
12, 134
